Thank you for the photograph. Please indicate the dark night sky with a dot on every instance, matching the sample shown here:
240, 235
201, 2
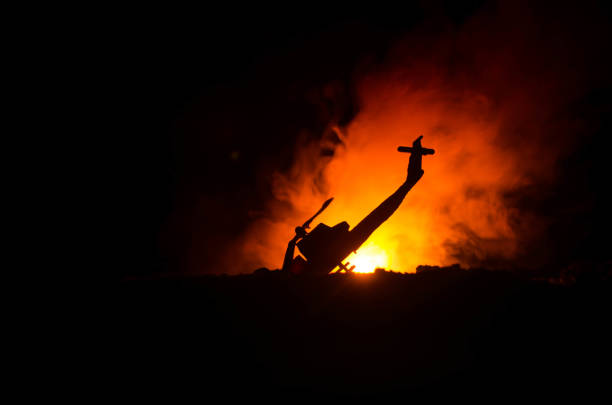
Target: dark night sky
185, 90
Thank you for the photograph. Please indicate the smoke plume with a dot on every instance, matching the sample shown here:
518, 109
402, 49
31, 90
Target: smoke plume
493, 97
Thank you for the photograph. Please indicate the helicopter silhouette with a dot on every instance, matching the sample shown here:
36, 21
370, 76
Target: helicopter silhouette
325, 247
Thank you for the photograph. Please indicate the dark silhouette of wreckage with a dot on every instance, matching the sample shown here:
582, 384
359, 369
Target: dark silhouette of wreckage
324, 248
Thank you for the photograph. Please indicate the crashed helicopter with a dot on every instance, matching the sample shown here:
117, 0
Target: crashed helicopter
325, 248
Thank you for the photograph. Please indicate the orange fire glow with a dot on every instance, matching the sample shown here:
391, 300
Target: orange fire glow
486, 127
368, 258
458, 196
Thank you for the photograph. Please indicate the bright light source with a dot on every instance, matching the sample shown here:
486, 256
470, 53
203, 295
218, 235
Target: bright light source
368, 258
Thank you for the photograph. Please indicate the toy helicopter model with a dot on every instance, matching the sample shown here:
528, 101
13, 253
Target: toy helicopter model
325, 247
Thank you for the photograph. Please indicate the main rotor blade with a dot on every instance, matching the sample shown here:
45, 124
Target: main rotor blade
325, 204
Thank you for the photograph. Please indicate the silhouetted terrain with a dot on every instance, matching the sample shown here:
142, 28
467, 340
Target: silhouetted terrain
440, 332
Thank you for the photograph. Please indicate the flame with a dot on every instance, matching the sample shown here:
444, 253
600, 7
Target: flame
368, 258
